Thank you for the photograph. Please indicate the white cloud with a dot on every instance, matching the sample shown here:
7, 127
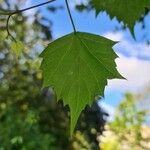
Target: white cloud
140, 50
136, 71
114, 36
127, 47
133, 64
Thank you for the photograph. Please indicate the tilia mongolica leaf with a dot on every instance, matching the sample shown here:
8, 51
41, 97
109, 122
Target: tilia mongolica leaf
77, 66
128, 11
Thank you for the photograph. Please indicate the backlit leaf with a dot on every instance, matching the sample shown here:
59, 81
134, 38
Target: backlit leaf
17, 47
78, 66
128, 11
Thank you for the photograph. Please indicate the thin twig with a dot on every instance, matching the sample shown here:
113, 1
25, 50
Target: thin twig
69, 12
20, 11
7, 27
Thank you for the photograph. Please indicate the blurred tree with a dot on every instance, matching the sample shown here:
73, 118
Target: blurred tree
30, 117
126, 130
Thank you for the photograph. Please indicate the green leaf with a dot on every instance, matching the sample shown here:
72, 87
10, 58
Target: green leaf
3, 35
128, 11
78, 66
17, 47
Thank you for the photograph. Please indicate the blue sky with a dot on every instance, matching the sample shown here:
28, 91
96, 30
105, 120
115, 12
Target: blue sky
134, 62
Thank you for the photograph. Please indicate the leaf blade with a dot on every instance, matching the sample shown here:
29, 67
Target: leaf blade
77, 70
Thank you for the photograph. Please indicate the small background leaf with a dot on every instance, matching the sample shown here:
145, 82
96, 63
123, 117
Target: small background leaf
3, 35
17, 47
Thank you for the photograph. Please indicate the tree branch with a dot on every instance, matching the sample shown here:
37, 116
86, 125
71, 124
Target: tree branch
20, 11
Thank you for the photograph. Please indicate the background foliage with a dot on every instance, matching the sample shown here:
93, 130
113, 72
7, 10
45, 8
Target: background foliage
127, 130
30, 118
